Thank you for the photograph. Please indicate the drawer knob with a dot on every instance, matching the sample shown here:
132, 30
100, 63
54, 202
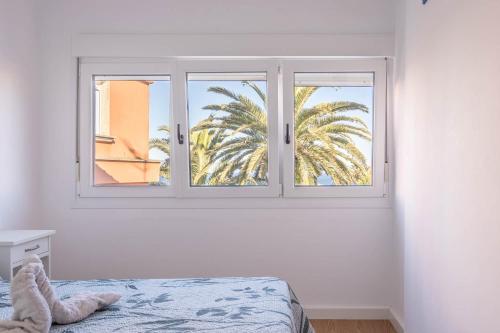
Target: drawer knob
29, 249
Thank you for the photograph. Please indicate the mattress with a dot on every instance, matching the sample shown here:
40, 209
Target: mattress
225, 305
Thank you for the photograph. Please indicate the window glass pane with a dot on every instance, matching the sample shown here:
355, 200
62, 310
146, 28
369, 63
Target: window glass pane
228, 129
333, 129
132, 136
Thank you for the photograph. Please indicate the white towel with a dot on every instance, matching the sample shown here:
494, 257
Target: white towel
36, 305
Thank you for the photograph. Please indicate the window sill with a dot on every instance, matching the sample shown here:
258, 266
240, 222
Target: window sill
232, 203
104, 139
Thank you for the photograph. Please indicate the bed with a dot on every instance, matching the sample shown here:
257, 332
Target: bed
225, 305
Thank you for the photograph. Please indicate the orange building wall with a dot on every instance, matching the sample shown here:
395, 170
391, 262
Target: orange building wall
123, 156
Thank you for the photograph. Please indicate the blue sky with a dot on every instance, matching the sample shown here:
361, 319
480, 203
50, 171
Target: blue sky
198, 97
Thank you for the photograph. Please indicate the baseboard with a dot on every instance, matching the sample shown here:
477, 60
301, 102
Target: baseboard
396, 322
355, 313
347, 312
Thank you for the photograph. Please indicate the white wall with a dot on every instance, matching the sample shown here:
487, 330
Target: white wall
19, 109
332, 257
447, 141
400, 163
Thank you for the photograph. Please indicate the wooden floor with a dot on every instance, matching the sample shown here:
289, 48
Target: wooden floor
352, 326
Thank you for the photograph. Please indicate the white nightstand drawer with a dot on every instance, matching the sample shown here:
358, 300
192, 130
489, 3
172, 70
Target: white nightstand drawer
38, 246
15, 245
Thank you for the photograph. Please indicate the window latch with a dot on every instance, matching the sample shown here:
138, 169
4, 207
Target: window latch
180, 137
287, 134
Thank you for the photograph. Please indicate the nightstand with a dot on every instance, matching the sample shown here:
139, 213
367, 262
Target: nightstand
15, 245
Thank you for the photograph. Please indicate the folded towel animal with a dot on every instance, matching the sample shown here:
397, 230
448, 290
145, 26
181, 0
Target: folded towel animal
36, 305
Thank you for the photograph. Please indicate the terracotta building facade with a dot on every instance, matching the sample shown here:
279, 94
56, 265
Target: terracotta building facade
122, 134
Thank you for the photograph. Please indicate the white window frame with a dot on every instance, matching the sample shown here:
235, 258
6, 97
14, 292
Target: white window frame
281, 155
87, 71
376, 66
184, 189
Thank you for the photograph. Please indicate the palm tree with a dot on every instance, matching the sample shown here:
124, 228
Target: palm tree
203, 144
163, 144
230, 147
324, 142
240, 158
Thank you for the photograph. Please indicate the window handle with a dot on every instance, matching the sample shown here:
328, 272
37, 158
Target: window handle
287, 134
180, 137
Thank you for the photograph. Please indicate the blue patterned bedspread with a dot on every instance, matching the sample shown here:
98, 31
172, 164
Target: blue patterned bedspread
225, 305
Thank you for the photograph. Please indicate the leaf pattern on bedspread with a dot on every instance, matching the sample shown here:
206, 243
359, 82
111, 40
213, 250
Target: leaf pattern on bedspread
222, 305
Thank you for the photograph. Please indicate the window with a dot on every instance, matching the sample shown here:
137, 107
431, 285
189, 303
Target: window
231, 112
214, 128
228, 127
130, 146
333, 122
335, 128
